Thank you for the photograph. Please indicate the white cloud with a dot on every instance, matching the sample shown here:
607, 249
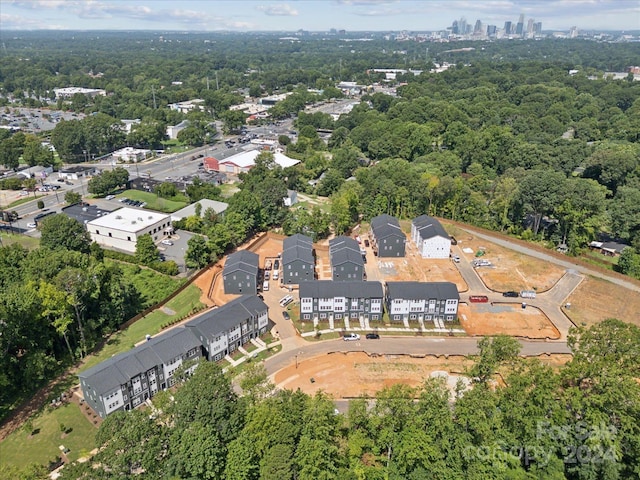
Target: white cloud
279, 10
16, 22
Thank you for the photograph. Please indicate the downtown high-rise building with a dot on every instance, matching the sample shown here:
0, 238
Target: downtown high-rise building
520, 25
508, 27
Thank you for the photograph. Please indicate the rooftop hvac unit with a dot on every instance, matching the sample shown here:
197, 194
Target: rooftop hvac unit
118, 217
140, 219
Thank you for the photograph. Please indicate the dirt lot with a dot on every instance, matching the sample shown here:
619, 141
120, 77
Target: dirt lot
355, 374
595, 300
511, 270
509, 319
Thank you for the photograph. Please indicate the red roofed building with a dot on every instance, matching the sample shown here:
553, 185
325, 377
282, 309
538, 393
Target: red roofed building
211, 164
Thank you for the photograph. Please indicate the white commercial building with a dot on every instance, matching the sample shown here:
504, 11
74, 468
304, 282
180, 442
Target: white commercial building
69, 92
243, 162
187, 106
130, 154
122, 228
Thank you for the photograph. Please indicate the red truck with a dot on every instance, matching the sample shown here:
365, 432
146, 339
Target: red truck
478, 298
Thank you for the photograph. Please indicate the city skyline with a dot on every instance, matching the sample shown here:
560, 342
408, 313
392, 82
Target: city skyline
292, 15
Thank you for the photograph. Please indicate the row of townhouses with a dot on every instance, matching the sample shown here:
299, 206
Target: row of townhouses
346, 259
127, 380
360, 300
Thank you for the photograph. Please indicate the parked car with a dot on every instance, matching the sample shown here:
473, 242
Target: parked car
267, 275
373, 336
109, 197
31, 225
511, 293
166, 242
286, 315
349, 337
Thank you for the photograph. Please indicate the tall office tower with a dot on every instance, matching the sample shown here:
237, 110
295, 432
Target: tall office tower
478, 27
530, 26
455, 28
520, 25
537, 28
462, 26
491, 30
507, 28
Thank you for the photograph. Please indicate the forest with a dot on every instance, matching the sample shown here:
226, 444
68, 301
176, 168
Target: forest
578, 421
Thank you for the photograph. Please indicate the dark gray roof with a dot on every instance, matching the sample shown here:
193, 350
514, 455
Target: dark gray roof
243, 260
345, 255
341, 242
298, 252
331, 289
422, 290
173, 343
77, 211
297, 239
429, 227
118, 370
386, 226
219, 320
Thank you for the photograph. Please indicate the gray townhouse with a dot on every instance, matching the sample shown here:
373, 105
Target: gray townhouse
240, 273
346, 259
324, 300
430, 238
422, 301
387, 237
222, 330
129, 379
298, 264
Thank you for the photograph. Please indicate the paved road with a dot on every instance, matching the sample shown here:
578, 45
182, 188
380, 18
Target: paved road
400, 346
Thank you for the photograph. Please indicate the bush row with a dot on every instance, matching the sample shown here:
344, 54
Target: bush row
179, 319
168, 268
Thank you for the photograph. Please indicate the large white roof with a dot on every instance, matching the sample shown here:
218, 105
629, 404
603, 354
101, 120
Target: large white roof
248, 159
129, 219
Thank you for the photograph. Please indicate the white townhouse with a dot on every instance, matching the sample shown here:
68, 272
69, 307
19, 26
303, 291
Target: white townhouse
330, 300
422, 301
430, 237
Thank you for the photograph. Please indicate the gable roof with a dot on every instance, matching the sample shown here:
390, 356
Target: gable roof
342, 241
219, 320
422, 290
300, 252
429, 227
346, 255
331, 289
297, 239
242, 260
385, 226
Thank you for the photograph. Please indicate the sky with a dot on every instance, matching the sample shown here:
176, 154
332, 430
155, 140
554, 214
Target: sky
312, 15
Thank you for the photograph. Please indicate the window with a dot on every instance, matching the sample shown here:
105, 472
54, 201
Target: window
323, 315
128, 239
98, 232
306, 316
396, 317
110, 234
375, 317
413, 316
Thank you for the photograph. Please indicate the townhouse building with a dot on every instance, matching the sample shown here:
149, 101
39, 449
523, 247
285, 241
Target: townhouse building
416, 301
388, 240
430, 238
298, 264
346, 259
240, 273
129, 379
325, 300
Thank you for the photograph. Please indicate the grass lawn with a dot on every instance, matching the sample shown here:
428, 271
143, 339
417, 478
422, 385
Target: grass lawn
323, 336
152, 285
154, 202
19, 202
123, 341
228, 189
19, 449
24, 240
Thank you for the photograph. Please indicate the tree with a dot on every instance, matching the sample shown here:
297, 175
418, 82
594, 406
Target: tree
62, 232
35, 153
629, 263
198, 254
146, 250
494, 351
10, 150
540, 192
40, 204
72, 197
166, 190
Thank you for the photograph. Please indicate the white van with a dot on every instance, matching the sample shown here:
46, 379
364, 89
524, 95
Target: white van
275, 275
265, 286
286, 300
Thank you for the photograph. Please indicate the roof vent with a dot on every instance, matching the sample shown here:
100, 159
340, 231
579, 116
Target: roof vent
140, 219
118, 217
133, 222
150, 217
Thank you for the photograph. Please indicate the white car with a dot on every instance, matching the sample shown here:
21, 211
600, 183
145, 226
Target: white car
166, 242
351, 337
31, 225
109, 197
